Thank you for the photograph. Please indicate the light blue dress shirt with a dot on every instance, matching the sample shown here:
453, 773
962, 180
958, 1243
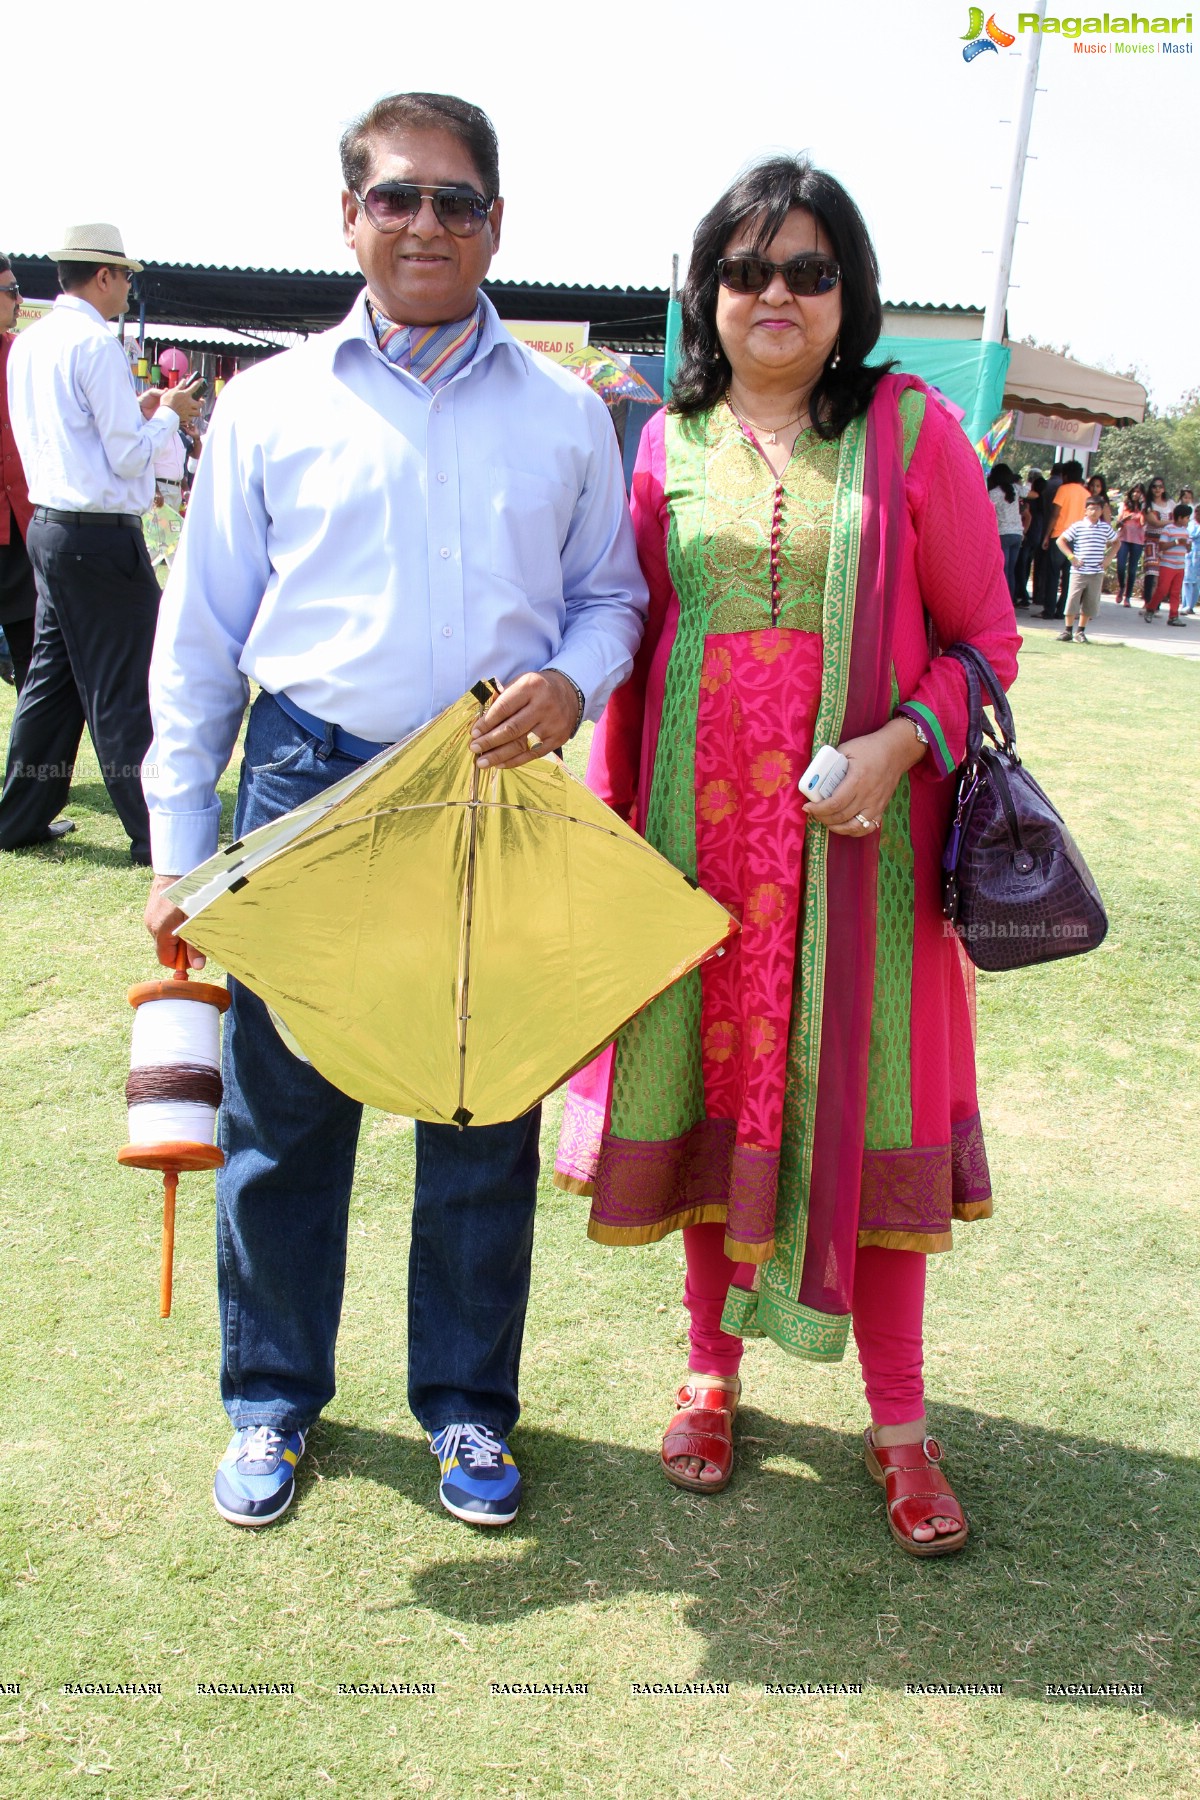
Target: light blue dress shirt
83, 441
372, 550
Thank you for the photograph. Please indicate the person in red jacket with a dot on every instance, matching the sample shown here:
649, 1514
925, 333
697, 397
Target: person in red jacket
18, 595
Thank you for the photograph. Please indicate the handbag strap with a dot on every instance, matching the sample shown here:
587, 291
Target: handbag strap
975, 719
974, 663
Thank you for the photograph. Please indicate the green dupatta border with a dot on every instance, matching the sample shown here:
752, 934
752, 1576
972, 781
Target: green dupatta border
772, 1310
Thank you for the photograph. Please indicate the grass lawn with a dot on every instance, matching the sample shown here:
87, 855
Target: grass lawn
1062, 1359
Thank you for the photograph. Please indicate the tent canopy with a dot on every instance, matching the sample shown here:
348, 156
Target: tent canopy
986, 379
1041, 381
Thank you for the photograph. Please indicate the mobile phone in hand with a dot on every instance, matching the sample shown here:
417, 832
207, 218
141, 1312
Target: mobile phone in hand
824, 773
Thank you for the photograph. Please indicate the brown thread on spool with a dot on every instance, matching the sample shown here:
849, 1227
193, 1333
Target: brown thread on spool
194, 1082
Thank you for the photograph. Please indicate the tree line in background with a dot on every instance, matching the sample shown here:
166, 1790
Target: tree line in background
1166, 444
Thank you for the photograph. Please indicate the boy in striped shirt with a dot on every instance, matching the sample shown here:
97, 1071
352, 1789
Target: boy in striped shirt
1173, 547
1088, 547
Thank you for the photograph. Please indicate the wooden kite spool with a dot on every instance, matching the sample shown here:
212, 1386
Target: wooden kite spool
174, 1089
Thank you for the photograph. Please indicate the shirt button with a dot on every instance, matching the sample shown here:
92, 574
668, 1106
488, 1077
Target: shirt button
441, 477
443, 553
437, 406
447, 631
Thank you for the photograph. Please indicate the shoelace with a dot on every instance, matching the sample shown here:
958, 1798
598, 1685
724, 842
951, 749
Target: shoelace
481, 1448
261, 1445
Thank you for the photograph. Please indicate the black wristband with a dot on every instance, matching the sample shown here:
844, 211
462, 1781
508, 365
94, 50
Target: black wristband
579, 695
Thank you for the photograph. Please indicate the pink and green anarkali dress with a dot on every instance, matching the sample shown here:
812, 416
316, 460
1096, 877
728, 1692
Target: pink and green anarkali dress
813, 1087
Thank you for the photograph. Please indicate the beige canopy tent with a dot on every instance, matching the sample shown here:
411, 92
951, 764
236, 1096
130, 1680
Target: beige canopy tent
944, 344
1044, 382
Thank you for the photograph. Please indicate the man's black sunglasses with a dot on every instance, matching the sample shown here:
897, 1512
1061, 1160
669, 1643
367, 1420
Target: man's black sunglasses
11, 289
804, 275
391, 205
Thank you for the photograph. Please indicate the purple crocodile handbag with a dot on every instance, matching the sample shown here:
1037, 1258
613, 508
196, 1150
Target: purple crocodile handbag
1014, 885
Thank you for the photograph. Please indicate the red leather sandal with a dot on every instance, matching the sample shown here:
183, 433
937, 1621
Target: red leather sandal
702, 1427
911, 1477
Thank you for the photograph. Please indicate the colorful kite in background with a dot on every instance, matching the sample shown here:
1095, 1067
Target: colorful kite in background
610, 376
994, 439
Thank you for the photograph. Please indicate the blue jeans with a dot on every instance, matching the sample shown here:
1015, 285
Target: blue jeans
1128, 558
1191, 587
1010, 544
283, 1197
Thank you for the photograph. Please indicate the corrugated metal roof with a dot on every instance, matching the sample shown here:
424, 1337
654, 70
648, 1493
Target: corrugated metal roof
258, 302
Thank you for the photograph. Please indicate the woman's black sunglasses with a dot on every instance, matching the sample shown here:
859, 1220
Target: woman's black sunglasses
804, 275
391, 205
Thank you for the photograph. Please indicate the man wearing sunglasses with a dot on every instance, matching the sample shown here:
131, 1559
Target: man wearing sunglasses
405, 504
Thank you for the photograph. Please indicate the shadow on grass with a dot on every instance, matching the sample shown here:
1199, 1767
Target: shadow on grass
1080, 1567
89, 799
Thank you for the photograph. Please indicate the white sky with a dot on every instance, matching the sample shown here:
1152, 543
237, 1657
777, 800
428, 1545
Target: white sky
616, 137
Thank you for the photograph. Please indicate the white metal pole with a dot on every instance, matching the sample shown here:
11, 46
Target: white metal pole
993, 319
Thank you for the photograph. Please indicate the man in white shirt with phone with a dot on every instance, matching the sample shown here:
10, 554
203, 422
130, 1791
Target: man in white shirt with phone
88, 449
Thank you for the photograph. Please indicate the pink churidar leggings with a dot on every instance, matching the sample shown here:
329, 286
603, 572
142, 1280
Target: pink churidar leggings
887, 1312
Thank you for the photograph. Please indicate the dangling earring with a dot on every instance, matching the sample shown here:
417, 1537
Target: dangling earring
837, 352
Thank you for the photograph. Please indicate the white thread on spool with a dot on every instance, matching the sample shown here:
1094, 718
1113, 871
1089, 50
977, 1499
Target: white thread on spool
173, 1035
171, 1122
173, 1089
176, 1031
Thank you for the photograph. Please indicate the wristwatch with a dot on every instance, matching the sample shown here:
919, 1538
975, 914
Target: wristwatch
921, 738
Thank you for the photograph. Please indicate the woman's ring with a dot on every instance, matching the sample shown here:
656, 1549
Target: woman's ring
867, 824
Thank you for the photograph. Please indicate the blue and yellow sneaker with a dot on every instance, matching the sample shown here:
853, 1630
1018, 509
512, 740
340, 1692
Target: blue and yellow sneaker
480, 1481
256, 1477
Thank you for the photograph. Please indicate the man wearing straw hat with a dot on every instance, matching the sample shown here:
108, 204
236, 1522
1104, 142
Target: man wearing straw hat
88, 449
382, 516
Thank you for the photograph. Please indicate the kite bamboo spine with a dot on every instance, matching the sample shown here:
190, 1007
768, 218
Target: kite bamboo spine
464, 983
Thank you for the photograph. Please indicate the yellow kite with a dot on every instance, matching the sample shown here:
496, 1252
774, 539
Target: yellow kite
446, 941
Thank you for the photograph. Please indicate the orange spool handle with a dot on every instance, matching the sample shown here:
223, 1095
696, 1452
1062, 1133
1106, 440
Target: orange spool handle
166, 1273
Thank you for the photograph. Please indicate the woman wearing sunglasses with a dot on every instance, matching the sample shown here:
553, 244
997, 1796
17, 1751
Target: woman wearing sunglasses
1157, 514
803, 1107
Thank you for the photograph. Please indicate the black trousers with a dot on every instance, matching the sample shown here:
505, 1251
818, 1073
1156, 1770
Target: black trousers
1055, 575
18, 601
18, 635
96, 612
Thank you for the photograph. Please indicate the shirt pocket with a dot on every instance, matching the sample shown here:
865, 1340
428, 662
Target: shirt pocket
530, 517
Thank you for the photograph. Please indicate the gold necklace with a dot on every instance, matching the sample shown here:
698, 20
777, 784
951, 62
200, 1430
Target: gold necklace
769, 432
